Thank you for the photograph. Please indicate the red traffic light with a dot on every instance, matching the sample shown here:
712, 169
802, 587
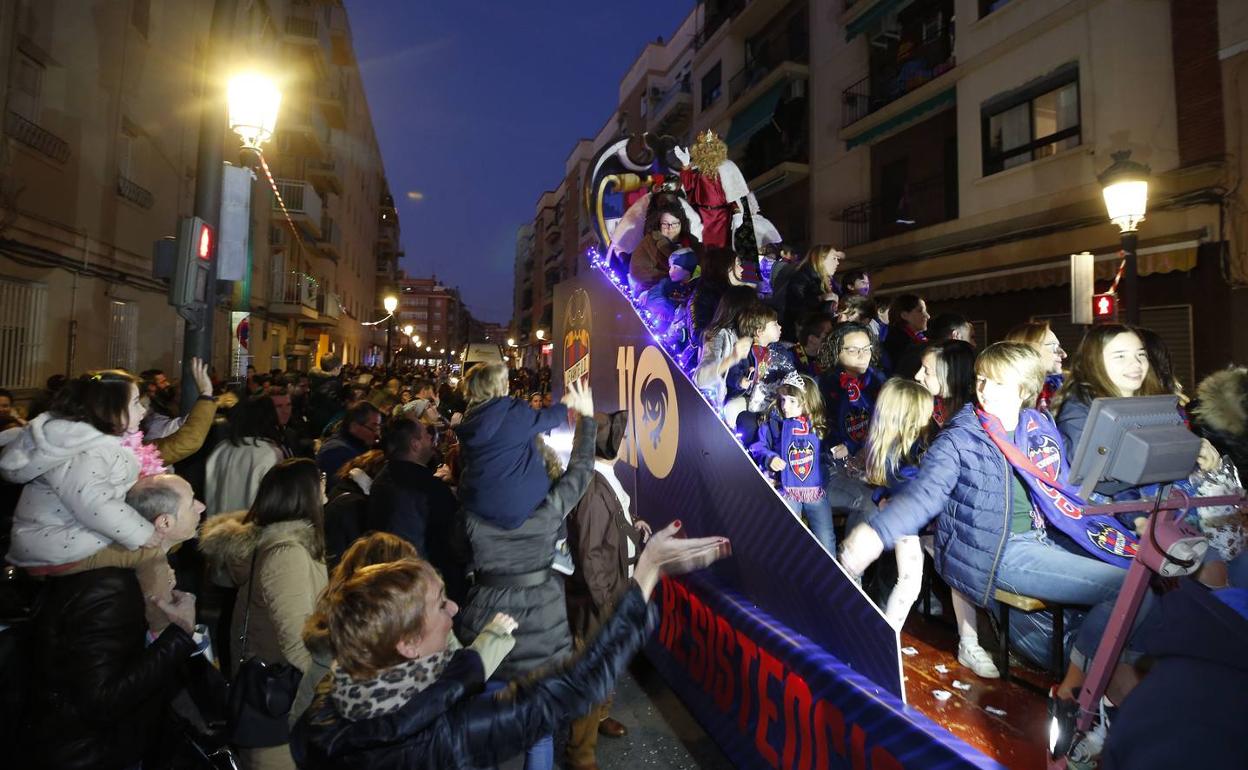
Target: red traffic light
203, 242
1104, 307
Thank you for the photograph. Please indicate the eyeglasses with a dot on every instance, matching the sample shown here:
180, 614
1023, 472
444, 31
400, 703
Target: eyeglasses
668, 225
857, 351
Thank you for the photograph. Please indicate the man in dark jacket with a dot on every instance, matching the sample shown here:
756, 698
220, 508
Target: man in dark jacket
361, 427
99, 690
408, 501
324, 394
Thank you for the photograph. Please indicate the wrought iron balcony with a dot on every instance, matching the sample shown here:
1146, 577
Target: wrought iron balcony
37, 138
135, 193
916, 205
886, 85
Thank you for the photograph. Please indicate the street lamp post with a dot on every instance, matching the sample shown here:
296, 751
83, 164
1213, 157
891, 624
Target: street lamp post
1124, 186
391, 303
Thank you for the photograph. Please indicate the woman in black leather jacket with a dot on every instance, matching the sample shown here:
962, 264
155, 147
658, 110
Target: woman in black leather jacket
400, 699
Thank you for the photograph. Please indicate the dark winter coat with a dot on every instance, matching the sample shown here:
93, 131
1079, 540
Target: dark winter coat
408, 501
324, 400
337, 452
1221, 415
541, 610
598, 534
1189, 710
504, 477
966, 482
798, 293
900, 353
99, 690
346, 519
445, 726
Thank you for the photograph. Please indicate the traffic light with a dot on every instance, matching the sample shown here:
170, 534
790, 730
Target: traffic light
1105, 308
195, 252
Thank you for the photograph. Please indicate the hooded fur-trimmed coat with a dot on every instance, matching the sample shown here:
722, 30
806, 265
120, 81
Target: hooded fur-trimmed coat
289, 575
1221, 414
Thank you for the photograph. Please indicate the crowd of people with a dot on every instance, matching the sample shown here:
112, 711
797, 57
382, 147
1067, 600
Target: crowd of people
308, 611
875, 418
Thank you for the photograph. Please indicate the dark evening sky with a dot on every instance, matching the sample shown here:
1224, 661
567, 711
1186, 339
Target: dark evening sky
477, 104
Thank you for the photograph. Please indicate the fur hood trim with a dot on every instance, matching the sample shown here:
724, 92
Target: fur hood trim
229, 542
1223, 402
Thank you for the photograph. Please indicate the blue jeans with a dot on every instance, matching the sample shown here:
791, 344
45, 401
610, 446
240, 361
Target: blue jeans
1033, 565
819, 516
541, 755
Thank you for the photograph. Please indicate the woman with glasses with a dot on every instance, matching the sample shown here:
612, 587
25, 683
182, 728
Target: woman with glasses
1040, 336
667, 230
850, 385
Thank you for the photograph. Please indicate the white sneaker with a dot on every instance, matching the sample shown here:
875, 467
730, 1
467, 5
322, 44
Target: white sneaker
977, 659
1087, 750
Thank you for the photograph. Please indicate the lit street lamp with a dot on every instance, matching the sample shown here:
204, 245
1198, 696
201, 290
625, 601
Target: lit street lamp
511, 342
390, 303
254, 101
1125, 188
540, 334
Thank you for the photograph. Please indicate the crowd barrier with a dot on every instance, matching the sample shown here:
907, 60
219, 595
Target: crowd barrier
777, 653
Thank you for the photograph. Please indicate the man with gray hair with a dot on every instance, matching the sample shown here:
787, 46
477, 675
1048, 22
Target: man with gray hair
102, 676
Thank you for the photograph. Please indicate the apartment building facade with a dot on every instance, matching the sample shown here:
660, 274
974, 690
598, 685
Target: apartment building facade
98, 162
436, 313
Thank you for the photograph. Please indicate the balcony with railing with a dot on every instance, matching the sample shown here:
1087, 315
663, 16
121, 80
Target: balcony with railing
387, 234
293, 294
307, 129
331, 96
324, 175
787, 49
330, 240
897, 71
36, 137
302, 202
329, 309
914, 206
132, 191
673, 108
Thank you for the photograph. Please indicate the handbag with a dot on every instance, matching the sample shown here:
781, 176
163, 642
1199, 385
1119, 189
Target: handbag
261, 694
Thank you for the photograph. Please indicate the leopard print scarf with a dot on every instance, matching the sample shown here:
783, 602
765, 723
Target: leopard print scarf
364, 699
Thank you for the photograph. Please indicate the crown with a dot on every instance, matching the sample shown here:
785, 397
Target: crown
708, 137
796, 380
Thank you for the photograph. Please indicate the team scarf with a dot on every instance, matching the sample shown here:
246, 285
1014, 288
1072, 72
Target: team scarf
1051, 385
1035, 454
938, 411
917, 338
801, 479
855, 402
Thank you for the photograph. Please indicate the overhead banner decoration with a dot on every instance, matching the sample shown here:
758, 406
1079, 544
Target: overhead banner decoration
779, 655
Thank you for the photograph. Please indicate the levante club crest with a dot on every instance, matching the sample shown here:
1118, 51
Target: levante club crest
576, 332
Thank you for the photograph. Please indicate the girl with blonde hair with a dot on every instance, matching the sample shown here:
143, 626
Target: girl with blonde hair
896, 441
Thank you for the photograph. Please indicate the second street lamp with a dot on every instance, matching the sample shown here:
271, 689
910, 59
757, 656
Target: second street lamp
390, 303
1124, 186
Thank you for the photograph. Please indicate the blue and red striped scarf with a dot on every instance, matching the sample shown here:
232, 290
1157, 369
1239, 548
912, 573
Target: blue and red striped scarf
1035, 454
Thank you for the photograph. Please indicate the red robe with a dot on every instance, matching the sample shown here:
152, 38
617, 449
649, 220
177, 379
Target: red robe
707, 197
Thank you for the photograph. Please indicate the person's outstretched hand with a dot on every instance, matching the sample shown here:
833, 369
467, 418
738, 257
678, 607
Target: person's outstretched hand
667, 554
579, 399
199, 373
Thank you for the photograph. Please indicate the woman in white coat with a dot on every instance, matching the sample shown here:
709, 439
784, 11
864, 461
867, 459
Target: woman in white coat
237, 464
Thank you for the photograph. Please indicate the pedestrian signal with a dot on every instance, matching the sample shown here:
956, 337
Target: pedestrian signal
1104, 308
195, 251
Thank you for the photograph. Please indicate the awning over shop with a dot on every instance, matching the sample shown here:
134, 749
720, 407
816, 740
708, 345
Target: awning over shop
1167, 258
871, 17
754, 117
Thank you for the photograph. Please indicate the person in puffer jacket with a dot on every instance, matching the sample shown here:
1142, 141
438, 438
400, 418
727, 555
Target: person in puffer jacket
76, 471
503, 476
990, 532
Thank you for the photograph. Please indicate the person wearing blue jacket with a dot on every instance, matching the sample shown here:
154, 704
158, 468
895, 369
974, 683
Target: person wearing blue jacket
504, 477
979, 480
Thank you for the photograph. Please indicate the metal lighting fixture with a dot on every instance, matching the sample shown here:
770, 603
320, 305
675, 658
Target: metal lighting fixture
390, 303
1124, 185
254, 101
540, 334
408, 329
511, 342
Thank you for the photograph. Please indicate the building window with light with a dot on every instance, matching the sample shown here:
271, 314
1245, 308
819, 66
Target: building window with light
1033, 122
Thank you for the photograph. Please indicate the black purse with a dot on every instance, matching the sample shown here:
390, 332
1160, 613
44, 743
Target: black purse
261, 694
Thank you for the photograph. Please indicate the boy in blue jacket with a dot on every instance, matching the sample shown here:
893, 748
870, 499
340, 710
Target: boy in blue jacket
503, 477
